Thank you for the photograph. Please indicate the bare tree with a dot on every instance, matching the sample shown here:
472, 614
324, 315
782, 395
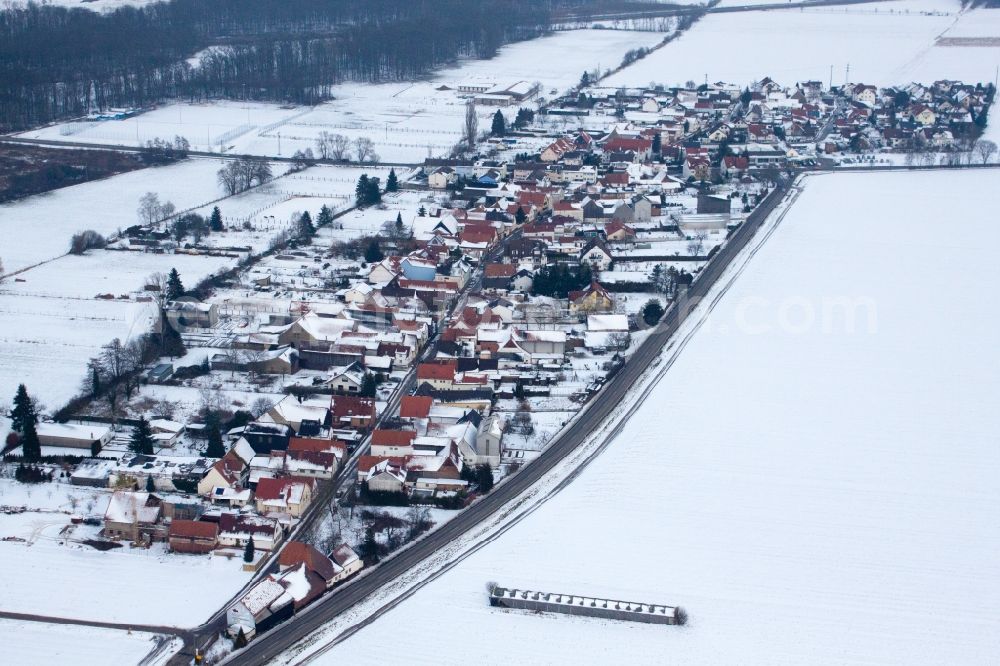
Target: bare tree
261, 406
984, 148
471, 127
619, 340
418, 519
1, 270
323, 145
149, 208
229, 178
365, 150
340, 148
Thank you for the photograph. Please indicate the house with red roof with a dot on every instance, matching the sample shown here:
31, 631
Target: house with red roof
193, 536
439, 373
351, 411
291, 495
387, 443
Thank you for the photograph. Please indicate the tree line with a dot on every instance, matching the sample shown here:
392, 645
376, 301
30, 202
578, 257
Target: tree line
58, 62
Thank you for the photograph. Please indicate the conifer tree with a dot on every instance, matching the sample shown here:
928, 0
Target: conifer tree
31, 448
215, 447
215, 221
373, 253
24, 410
142, 438
249, 551
306, 227
392, 183
499, 127
175, 288
361, 190
325, 216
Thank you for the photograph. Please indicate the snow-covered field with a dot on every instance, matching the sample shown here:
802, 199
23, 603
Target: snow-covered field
59, 576
42, 643
406, 121
41, 226
884, 43
811, 490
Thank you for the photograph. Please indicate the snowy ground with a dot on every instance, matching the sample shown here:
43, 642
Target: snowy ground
884, 43
123, 585
42, 643
43, 224
406, 121
811, 492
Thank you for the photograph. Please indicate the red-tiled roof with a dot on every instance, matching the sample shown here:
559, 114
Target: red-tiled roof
393, 437
415, 406
500, 270
193, 529
437, 369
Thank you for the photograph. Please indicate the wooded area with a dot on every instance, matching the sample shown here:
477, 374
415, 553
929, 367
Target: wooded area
57, 62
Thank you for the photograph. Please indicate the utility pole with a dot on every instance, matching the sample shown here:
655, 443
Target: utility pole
831, 76
847, 74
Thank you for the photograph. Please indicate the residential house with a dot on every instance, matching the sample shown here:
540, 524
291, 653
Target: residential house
193, 536
291, 495
593, 298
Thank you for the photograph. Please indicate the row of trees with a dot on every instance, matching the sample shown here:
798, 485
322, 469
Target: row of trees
337, 147
241, 174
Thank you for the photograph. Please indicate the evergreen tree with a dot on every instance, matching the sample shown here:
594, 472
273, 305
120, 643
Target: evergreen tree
249, 551
392, 183
95, 379
31, 448
306, 227
652, 312
368, 385
142, 438
325, 216
171, 343
585, 80
215, 221
150, 485
373, 253
374, 194
399, 224
657, 144
499, 127
241, 640
484, 478
422, 212
175, 288
215, 447
370, 546
520, 216
23, 412
361, 190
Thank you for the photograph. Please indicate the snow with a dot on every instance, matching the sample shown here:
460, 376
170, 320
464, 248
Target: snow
810, 494
43, 643
43, 224
105, 586
789, 46
405, 120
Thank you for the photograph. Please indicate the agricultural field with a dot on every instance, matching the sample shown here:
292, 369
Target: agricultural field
883, 43
791, 478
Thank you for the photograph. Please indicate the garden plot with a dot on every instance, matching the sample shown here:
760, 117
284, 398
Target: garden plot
406, 121
798, 45
810, 490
